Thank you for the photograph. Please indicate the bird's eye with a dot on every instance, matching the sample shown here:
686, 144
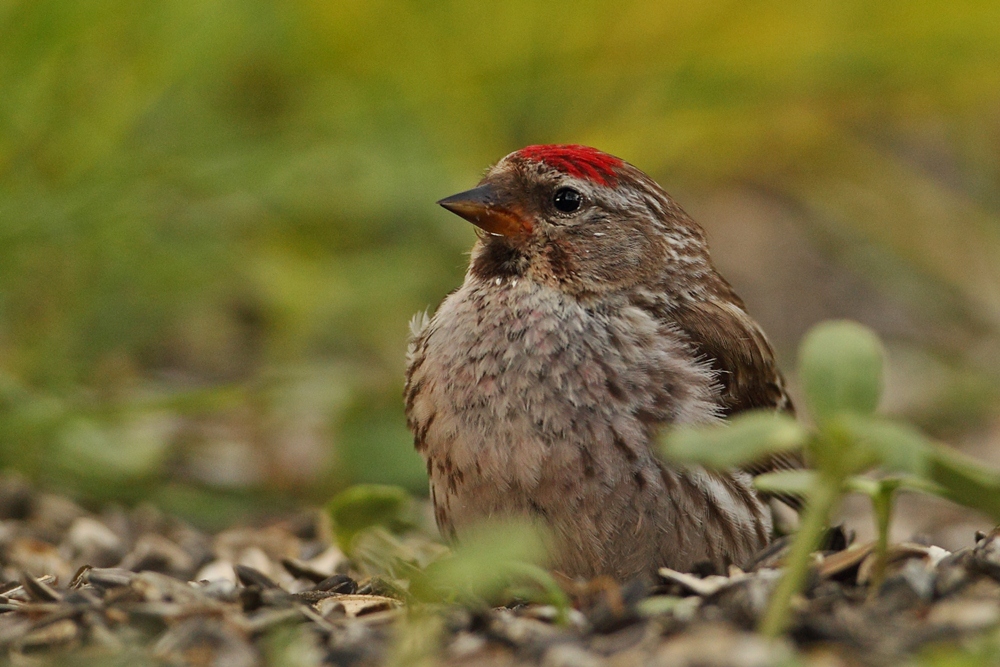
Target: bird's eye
567, 200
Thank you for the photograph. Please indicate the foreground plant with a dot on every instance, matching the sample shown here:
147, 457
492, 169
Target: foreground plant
495, 563
840, 366
374, 524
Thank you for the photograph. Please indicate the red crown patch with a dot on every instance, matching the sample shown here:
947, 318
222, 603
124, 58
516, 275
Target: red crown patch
578, 161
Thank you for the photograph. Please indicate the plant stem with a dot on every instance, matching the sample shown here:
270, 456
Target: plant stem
882, 508
820, 503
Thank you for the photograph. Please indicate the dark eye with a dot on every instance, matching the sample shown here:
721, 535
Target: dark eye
567, 200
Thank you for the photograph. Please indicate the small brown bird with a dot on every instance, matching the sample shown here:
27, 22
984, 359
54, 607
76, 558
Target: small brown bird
590, 318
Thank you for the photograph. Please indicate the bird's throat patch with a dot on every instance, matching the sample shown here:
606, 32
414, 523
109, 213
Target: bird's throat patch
498, 259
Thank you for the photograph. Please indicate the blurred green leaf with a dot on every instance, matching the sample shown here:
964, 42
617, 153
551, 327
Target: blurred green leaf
657, 605
895, 446
739, 440
490, 557
365, 506
546, 589
840, 363
965, 480
863, 485
873, 487
795, 482
378, 552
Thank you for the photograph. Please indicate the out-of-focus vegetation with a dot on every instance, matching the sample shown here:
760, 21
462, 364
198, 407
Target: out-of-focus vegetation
217, 217
841, 366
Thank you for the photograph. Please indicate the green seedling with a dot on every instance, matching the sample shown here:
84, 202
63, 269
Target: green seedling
492, 558
494, 563
365, 506
840, 366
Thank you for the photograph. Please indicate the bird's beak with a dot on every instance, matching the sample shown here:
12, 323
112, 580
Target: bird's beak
483, 207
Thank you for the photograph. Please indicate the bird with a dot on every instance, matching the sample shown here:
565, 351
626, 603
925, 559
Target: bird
591, 318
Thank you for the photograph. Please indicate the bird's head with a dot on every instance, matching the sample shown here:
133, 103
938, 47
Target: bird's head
578, 218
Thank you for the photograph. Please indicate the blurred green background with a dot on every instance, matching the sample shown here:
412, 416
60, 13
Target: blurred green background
217, 217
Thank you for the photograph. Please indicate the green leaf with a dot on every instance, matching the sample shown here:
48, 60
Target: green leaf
367, 505
744, 438
378, 552
965, 480
873, 487
548, 589
490, 556
863, 485
795, 482
658, 605
840, 363
896, 447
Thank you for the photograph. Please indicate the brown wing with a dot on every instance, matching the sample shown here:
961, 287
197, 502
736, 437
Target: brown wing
720, 329
734, 345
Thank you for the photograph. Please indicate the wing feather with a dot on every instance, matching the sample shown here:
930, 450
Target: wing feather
722, 332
